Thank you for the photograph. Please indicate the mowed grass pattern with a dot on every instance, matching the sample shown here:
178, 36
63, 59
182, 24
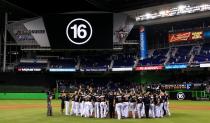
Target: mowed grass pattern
38, 114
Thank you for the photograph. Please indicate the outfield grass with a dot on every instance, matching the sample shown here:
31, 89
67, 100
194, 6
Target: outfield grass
38, 115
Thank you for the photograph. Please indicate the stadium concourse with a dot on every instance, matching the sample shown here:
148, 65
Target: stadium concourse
98, 61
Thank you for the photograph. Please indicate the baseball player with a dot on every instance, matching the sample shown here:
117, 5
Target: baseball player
62, 97
158, 107
82, 104
140, 107
88, 105
118, 105
161, 105
125, 105
133, 100
67, 98
152, 107
73, 104
49, 105
97, 105
166, 104
146, 101
111, 98
77, 104
103, 105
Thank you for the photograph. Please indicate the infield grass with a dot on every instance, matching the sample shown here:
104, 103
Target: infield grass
38, 114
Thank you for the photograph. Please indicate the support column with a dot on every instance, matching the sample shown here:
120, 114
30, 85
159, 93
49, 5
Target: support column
5, 42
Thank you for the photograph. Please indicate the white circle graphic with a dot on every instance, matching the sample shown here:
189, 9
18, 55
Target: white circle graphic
83, 42
180, 96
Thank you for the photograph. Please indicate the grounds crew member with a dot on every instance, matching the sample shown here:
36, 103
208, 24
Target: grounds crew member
49, 106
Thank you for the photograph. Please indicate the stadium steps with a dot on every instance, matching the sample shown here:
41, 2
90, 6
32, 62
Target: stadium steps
197, 49
174, 52
136, 63
111, 65
191, 59
191, 55
78, 64
151, 53
168, 56
191, 51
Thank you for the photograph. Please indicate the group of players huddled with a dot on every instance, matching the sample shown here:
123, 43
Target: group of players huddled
119, 103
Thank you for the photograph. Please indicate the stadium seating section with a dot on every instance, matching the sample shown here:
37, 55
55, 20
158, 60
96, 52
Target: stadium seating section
174, 55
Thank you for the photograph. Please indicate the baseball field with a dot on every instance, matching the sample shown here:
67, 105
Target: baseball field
34, 111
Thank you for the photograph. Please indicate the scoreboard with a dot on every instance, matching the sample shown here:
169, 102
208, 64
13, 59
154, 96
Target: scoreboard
185, 36
80, 31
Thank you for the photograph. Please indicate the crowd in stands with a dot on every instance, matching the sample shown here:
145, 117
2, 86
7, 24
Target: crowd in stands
123, 60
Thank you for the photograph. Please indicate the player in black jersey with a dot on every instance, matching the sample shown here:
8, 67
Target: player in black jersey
164, 98
103, 105
97, 105
118, 105
140, 106
88, 105
152, 106
125, 104
146, 101
67, 98
158, 107
73, 108
133, 100
82, 103
49, 105
62, 98
76, 99
111, 98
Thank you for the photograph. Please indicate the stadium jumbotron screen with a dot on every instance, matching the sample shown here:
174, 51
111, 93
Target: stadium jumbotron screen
185, 36
80, 31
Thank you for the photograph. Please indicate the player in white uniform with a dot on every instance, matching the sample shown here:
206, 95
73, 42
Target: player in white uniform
82, 103
152, 107
77, 104
67, 98
118, 105
158, 107
140, 107
88, 105
132, 106
97, 106
166, 104
125, 105
73, 104
103, 106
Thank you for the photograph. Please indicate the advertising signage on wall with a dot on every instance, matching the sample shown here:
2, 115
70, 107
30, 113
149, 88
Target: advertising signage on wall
149, 68
80, 31
185, 36
205, 65
175, 66
143, 42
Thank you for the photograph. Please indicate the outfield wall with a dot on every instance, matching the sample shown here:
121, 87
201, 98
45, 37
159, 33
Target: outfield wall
189, 94
23, 96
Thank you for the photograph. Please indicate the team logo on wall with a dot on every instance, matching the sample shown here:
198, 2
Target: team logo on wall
79, 31
180, 96
121, 34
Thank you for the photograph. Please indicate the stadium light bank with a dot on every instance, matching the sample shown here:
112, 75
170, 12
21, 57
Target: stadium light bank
179, 10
